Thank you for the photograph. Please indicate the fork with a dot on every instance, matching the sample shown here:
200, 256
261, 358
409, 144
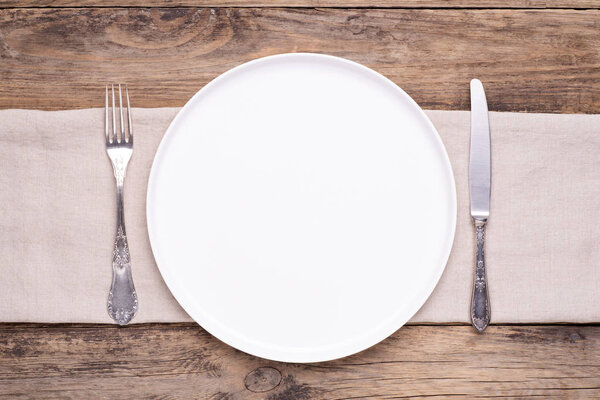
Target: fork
122, 299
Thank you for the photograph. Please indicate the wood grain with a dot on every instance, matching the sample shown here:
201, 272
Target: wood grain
183, 361
529, 60
579, 4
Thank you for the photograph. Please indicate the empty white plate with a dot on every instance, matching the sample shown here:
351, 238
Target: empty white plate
301, 207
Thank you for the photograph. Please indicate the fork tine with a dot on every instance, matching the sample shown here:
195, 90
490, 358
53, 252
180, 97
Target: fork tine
114, 118
122, 139
106, 117
129, 126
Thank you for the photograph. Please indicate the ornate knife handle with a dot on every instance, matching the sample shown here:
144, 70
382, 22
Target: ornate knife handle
480, 303
122, 299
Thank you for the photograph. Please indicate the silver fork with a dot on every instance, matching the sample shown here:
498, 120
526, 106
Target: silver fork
122, 299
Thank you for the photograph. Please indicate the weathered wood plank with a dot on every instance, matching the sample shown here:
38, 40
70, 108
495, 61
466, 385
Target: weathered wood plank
536, 61
183, 361
578, 4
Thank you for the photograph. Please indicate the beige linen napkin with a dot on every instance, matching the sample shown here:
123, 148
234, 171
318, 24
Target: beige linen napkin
57, 206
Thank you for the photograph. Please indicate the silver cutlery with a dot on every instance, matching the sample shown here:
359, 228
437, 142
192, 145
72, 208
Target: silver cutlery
122, 298
479, 190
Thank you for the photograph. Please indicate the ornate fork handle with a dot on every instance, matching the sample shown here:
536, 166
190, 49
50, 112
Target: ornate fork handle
480, 303
122, 299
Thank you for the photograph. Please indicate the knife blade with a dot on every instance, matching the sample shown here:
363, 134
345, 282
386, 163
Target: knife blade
480, 160
480, 178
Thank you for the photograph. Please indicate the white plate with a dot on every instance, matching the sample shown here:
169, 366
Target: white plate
301, 207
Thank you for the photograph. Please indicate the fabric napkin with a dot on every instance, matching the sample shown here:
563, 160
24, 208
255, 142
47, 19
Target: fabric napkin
57, 207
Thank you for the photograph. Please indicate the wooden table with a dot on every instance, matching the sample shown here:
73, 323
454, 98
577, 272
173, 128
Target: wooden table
532, 55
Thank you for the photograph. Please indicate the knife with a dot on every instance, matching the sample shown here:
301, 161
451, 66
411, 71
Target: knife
480, 176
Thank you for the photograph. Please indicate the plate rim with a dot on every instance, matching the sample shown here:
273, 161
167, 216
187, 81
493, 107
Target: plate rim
316, 354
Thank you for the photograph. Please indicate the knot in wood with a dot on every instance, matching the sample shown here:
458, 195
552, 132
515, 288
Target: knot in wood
262, 379
575, 337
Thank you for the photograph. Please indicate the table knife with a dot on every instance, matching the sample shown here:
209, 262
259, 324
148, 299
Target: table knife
480, 174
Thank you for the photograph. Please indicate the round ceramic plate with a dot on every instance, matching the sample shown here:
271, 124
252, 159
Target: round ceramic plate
301, 207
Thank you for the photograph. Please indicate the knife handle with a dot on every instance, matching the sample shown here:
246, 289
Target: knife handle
480, 303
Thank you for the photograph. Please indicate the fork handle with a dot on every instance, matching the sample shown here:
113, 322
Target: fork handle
122, 299
480, 303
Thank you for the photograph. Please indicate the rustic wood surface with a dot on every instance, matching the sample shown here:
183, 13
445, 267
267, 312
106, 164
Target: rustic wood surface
533, 55
506, 4
183, 361
529, 60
